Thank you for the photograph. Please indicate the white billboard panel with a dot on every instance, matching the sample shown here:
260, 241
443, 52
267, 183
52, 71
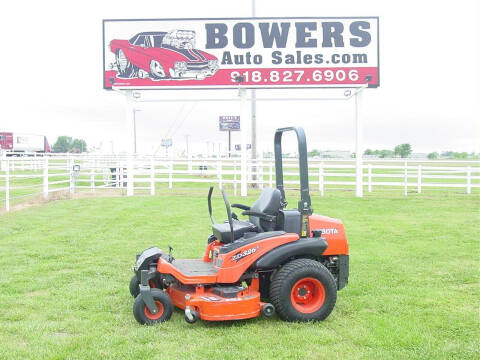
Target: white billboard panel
258, 53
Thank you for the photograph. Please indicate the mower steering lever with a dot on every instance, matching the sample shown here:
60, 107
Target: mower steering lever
241, 206
259, 214
170, 256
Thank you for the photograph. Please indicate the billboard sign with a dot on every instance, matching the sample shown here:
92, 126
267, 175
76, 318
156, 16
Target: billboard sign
166, 143
302, 52
229, 123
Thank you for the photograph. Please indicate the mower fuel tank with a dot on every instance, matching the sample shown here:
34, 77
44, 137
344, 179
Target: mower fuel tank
332, 231
290, 221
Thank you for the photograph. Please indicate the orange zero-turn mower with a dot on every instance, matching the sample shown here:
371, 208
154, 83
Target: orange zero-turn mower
291, 262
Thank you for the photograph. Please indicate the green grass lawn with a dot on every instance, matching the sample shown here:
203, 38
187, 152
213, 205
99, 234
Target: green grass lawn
413, 291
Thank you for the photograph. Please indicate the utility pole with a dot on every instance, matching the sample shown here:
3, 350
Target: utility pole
186, 138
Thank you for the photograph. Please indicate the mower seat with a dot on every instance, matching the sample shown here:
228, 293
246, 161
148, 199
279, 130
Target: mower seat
269, 203
223, 233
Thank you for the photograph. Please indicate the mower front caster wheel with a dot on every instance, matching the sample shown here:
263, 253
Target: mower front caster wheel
191, 315
268, 310
134, 286
164, 305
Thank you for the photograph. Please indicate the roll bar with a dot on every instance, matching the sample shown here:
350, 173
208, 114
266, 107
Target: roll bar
305, 203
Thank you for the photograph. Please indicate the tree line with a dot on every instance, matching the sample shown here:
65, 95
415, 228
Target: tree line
402, 150
66, 144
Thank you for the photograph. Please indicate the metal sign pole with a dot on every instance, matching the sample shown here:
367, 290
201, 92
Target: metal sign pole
135, 131
229, 143
358, 146
130, 124
254, 119
243, 130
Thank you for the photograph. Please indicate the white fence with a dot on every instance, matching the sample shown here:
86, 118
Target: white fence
27, 177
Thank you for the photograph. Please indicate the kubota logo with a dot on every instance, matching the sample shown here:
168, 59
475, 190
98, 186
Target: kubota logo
240, 255
331, 231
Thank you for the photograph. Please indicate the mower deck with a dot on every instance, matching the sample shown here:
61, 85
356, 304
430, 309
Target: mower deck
216, 305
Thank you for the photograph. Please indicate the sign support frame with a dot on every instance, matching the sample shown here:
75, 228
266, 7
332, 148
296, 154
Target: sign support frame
242, 96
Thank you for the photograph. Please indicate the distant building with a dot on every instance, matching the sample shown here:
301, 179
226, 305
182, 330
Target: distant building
335, 154
418, 156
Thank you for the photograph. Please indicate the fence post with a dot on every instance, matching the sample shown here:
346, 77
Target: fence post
122, 177
7, 186
369, 178
270, 171
234, 178
190, 164
92, 178
45, 178
419, 179
72, 180
260, 170
130, 175
152, 175
321, 187
219, 172
469, 180
170, 174
3, 160
405, 179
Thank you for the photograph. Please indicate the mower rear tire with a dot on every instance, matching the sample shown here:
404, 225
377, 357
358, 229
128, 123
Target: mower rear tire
303, 290
164, 304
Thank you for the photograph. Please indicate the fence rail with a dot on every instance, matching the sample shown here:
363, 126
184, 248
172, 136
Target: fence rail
27, 176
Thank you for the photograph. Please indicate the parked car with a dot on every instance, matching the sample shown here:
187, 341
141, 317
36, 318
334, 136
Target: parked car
162, 55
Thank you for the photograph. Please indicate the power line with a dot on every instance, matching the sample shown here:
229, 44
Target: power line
184, 119
174, 120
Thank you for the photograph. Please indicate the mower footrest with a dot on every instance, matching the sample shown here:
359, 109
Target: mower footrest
194, 267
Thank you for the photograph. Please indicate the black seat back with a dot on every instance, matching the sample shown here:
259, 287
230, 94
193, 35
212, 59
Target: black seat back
269, 203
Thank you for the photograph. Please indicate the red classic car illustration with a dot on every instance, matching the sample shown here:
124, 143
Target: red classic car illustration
162, 55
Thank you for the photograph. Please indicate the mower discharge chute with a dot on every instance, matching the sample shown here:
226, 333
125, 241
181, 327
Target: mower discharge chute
287, 261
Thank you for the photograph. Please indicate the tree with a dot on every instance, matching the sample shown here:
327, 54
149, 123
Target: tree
369, 152
78, 146
460, 155
433, 155
63, 144
67, 144
385, 154
313, 153
403, 150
